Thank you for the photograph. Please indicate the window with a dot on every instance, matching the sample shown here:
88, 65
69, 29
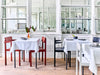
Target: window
15, 19
44, 14
13, 16
75, 17
97, 19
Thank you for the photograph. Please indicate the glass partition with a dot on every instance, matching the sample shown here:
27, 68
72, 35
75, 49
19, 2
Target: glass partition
75, 17
13, 16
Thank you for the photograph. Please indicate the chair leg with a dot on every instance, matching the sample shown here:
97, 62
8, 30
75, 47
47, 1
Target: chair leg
36, 60
11, 56
64, 56
45, 57
93, 74
82, 70
54, 59
69, 58
23, 56
42, 56
30, 59
19, 59
39, 55
5, 57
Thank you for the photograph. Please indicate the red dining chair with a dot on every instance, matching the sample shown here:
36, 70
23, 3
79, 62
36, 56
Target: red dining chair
8, 40
41, 49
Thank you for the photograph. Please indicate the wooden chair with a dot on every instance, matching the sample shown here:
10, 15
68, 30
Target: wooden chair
8, 40
41, 49
57, 49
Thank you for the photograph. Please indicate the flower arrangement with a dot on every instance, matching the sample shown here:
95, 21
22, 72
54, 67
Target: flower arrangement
75, 37
28, 29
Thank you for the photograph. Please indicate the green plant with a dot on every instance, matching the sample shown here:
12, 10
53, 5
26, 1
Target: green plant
27, 29
34, 29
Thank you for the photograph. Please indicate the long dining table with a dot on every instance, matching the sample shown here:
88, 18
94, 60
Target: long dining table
27, 45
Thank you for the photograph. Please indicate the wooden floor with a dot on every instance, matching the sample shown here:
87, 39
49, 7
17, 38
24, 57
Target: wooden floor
49, 69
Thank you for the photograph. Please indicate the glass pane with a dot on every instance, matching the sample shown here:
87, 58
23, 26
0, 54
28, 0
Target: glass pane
71, 12
98, 26
14, 2
14, 26
44, 14
14, 13
21, 13
10, 12
98, 12
75, 2
37, 14
49, 15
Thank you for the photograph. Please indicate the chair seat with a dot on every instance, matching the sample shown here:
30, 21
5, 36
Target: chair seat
17, 50
59, 49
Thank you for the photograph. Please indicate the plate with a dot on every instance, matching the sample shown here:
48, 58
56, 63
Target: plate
23, 38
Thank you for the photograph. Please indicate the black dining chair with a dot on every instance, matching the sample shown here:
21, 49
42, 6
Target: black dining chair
57, 49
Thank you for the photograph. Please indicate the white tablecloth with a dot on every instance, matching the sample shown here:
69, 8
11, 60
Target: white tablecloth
92, 54
71, 45
29, 44
94, 59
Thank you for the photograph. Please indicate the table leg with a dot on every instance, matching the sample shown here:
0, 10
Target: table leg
66, 61
39, 55
82, 70
69, 58
22, 54
36, 60
14, 59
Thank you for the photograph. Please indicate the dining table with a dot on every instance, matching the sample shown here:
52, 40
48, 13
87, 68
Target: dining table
71, 45
25, 44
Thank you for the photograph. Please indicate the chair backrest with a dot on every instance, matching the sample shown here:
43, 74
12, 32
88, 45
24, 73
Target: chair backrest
44, 42
8, 40
56, 42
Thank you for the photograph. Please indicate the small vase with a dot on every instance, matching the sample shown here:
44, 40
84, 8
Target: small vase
75, 37
28, 36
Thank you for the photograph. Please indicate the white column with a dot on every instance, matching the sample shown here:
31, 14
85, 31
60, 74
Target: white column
29, 12
0, 17
93, 28
43, 13
58, 16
